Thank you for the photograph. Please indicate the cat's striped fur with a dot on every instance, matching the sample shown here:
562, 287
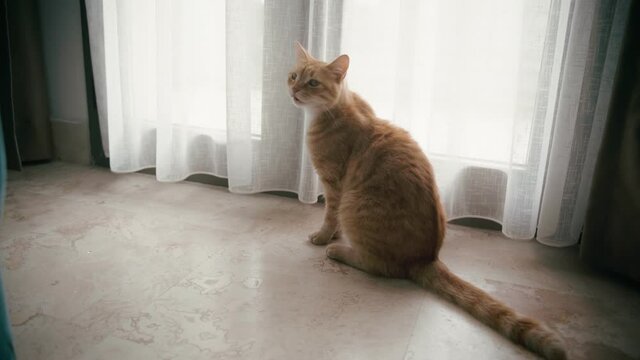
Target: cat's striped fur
381, 193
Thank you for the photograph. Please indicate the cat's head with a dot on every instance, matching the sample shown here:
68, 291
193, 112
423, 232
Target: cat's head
314, 84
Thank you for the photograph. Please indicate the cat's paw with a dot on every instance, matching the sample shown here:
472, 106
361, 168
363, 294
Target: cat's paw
332, 251
321, 237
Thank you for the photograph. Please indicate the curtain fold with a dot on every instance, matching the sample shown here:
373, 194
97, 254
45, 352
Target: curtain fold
95, 27
493, 91
595, 42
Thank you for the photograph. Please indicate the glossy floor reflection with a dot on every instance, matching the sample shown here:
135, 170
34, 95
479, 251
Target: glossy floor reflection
105, 266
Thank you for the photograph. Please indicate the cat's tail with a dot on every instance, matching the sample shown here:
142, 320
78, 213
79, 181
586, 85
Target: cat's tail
519, 329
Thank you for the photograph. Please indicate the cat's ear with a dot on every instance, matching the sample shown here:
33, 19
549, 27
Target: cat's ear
301, 54
339, 66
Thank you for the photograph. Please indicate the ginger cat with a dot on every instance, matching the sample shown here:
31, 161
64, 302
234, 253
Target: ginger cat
381, 193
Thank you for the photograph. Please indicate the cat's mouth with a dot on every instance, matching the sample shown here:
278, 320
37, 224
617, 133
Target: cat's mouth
296, 100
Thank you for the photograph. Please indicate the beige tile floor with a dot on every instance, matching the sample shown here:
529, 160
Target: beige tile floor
104, 266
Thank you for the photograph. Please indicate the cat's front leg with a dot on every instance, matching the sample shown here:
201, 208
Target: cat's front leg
330, 227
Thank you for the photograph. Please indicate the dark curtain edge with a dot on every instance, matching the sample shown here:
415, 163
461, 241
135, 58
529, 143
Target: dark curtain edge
12, 152
597, 247
98, 156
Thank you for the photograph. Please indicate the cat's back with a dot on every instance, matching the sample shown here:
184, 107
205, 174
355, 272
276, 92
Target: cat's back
392, 153
353, 144
392, 181
382, 138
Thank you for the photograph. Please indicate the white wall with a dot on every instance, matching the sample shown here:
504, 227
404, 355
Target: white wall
64, 66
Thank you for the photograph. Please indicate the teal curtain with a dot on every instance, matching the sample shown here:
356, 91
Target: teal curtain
6, 342
6, 113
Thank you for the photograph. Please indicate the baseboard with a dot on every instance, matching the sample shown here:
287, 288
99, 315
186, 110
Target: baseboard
71, 141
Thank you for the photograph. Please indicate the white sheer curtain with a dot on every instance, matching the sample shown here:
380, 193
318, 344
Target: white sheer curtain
508, 99
199, 87
473, 82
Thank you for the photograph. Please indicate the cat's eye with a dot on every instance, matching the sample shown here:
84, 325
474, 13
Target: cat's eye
313, 83
294, 76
